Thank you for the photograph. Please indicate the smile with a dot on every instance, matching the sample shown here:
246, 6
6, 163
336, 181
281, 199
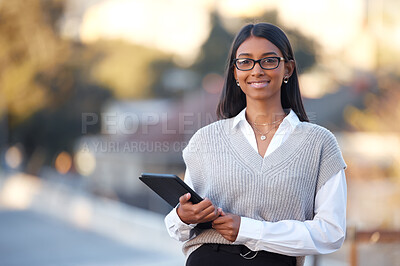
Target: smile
259, 84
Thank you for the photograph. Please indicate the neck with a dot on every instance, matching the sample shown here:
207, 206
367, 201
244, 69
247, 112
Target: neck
263, 113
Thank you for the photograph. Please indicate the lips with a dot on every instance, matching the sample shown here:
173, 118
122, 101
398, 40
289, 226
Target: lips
259, 83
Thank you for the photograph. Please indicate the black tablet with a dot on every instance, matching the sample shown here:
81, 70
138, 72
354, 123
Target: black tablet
171, 188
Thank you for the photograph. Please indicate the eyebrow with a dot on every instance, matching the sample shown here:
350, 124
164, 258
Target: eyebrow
264, 54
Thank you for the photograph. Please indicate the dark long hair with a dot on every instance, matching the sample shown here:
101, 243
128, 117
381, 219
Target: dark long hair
233, 100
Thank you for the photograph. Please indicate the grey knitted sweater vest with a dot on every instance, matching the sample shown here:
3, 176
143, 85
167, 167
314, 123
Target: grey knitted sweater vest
282, 186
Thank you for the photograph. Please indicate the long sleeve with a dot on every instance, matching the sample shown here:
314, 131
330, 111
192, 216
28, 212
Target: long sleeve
324, 234
176, 228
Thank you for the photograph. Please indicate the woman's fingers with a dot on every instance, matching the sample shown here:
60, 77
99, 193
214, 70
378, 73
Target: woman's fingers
227, 225
222, 219
203, 211
204, 204
211, 213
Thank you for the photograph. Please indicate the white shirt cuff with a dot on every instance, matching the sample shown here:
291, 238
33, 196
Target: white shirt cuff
178, 222
250, 232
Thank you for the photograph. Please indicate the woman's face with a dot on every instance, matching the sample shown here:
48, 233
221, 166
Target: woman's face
258, 83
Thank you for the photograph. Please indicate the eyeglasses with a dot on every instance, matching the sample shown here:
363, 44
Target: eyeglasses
266, 63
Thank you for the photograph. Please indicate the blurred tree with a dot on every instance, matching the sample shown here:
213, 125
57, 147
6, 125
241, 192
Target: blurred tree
29, 46
43, 88
215, 50
212, 59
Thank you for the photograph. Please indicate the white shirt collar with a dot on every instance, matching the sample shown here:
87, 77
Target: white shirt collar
291, 119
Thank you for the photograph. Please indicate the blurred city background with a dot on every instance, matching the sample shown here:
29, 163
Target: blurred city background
94, 92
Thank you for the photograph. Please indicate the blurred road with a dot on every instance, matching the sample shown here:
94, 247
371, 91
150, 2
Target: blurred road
30, 238
50, 224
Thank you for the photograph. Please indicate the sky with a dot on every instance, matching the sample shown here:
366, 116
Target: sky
182, 26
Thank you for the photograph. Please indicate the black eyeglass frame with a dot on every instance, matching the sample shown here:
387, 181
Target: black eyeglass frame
259, 62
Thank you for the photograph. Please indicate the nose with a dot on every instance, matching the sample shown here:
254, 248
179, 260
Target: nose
257, 70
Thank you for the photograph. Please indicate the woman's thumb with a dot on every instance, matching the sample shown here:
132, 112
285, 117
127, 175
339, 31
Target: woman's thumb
184, 198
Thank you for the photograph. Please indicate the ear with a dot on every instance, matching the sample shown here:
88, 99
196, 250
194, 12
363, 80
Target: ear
289, 68
234, 73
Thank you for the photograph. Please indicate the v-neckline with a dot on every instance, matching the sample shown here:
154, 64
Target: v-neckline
243, 150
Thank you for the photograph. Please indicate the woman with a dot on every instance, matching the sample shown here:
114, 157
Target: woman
274, 184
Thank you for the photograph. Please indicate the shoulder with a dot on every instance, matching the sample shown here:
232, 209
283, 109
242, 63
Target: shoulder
317, 131
321, 138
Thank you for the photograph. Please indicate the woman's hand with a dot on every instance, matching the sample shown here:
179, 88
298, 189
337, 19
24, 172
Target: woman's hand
227, 225
202, 212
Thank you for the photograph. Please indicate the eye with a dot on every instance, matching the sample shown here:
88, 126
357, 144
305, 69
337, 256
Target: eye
270, 60
244, 62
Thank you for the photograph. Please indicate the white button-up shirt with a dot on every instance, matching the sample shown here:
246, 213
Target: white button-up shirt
323, 234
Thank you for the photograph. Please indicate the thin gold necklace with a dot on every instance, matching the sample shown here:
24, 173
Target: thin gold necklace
263, 135
268, 124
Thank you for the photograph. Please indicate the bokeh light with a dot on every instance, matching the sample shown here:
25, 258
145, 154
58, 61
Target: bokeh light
18, 191
14, 157
85, 162
63, 162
